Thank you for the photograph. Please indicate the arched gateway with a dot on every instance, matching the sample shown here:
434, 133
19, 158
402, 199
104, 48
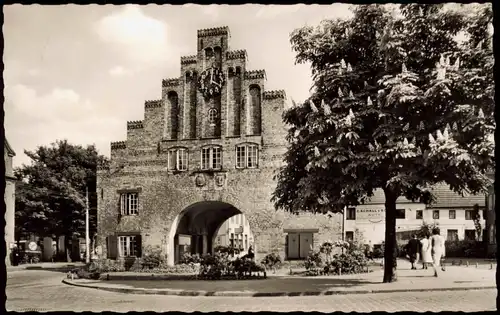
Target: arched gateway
195, 228
208, 149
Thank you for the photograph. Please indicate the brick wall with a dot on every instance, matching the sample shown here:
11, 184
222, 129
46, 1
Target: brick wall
140, 162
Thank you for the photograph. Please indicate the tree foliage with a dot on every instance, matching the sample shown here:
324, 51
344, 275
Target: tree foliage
50, 194
398, 104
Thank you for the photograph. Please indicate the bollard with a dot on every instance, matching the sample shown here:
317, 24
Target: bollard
476, 264
460, 263
467, 263
72, 276
491, 265
291, 272
340, 271
107, 276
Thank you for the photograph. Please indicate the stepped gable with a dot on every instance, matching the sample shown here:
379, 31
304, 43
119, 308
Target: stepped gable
185, 60
224, 30
118, 145
274, 94
135, 124
170, 82
255, 74
237, 54
152, 104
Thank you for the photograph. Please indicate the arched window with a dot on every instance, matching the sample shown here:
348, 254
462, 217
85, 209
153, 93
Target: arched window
212, 116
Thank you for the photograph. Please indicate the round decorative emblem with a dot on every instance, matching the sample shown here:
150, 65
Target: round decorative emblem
211, 82
32, 246
200, 180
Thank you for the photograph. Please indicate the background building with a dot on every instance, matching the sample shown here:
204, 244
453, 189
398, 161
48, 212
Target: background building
452, 212
204, 152
235, 232
10, 200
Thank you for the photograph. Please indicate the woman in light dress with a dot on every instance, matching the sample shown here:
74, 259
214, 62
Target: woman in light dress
438, 250
426, 251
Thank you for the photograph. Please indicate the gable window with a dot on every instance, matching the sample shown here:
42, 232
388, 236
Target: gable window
400, 214
351, 214
129, 246
178, 159
435, 214
419, 215
452, 214
129, 203
211, 158
247, 156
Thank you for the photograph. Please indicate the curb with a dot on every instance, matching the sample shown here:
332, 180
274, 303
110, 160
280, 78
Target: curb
262, 294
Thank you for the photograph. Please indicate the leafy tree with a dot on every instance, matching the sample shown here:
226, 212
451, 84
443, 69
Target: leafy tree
476, 218
398, 104
51, 194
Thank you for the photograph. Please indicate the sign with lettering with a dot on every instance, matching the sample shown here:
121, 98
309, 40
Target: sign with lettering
372, 215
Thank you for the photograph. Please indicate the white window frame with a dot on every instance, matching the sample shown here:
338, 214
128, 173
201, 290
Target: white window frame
211, 158
127, 246
181, 157
245, 150
129, 203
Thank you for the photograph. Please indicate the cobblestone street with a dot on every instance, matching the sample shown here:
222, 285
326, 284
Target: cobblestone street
43, 291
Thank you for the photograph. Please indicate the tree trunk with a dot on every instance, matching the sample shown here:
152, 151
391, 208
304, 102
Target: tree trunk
390, 251
67, 250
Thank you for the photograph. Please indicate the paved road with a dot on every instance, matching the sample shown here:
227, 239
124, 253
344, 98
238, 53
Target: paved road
32, 290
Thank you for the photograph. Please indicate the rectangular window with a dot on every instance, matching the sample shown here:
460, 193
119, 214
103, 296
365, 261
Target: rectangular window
435, 214
452, 235
400, 214
252, 156
419, 215
349, 236
182, 159
351, 214
470, 235
128, 246
216, 158
172, 159
240, 156
129, 204
452, 214
211, 158
468, 215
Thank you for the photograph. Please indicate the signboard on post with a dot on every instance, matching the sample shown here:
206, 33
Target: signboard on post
373, 215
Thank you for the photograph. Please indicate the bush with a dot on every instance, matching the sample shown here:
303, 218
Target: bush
353, 260
106, 265
85, 274
188, 258
227, 250
465, 248
153, 258
271, 261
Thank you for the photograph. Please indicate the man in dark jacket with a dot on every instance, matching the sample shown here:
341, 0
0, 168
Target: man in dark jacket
412, 249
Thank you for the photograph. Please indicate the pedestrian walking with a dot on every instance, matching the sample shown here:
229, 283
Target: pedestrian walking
369, 251
438, 250
425, 248
413, 249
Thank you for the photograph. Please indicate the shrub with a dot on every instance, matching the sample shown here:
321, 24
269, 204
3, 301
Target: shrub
465, 248
188, 258
227, 250
153, 258
85, 274
106, 265
30, 258
353, 260
272, 260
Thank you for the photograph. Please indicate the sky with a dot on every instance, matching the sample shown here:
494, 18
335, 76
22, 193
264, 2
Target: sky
81, 72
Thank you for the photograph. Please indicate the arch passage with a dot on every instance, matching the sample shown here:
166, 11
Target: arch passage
196, 227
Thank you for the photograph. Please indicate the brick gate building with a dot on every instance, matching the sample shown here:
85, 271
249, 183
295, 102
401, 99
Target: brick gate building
205, 151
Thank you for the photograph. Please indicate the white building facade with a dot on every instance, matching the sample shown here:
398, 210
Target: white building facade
451, 212
235, 232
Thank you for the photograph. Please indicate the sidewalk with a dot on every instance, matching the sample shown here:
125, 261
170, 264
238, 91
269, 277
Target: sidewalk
454, 278
45, 265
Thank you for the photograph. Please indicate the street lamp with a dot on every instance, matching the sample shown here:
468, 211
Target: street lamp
87, 238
